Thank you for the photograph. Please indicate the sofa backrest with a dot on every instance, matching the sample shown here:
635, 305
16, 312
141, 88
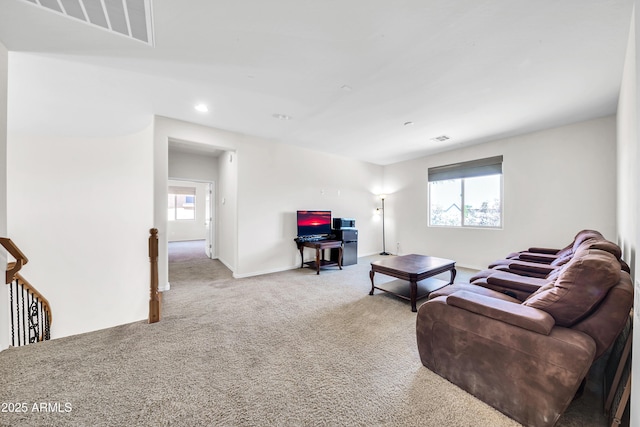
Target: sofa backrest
584, 235
580, 237
580, 286
591, 240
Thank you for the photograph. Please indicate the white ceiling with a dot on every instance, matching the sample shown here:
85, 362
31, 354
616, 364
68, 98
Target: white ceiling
348, 73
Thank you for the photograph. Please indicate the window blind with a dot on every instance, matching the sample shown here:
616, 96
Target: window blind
473, 168
184, 191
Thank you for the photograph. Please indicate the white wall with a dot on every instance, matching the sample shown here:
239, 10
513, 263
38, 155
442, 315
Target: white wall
556, 182
4, 300
261, 184
627, 157
628, 176
194, 229
276, 180
191, 166
227, 210
81, 210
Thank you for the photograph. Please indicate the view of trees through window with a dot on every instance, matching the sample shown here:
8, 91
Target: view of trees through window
466, 202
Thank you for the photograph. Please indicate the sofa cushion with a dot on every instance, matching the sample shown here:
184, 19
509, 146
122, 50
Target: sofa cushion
483, 274
514, 281
582, 283
471, 288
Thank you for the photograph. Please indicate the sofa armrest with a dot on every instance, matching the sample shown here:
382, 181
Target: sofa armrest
506, 269
537, 257
528, 318
514, 281
549, 251
531, 267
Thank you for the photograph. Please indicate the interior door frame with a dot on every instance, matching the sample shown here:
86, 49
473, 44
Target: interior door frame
210, 238
210, 241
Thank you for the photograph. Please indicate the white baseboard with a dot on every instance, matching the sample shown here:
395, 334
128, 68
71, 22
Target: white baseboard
269, 271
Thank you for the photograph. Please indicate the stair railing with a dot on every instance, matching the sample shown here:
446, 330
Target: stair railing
30, 312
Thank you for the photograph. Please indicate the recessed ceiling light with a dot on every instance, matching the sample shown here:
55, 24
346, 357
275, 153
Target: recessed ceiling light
441, 138
282, 116
202, 108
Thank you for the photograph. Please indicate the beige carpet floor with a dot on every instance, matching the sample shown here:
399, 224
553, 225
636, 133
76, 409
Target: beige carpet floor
285, 349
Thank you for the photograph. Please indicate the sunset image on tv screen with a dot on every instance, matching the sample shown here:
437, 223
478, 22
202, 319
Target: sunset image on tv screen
314, 222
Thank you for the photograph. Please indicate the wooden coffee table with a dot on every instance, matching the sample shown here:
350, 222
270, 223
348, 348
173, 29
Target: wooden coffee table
417, 270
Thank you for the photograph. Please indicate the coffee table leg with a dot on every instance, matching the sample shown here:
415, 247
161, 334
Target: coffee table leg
413, 294
453, 275
371, 274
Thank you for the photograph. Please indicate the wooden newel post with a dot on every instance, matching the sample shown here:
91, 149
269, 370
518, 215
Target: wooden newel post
154, 298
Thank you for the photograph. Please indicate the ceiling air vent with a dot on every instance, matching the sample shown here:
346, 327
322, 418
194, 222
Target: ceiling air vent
131, 18
441, 138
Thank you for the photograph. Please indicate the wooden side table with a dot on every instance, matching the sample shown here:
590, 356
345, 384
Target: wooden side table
320, 246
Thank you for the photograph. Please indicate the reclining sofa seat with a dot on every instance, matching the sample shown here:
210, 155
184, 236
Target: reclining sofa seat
547, 255
520, 285
527, 359
527, 265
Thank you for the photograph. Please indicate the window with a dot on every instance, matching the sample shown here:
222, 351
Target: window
182, 203
467, 194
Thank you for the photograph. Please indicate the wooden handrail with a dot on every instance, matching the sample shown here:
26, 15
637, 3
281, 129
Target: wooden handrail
155, 298
21, 259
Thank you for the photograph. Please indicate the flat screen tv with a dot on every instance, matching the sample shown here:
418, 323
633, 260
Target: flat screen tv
314, 223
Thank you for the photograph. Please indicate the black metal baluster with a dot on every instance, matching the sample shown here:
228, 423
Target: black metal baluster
40, 320
13, 338
24, 320
17, 314
30, 317
47, 332
35, 317
29, 325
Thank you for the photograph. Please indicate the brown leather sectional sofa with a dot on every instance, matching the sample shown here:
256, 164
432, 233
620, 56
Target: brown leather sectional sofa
524, 344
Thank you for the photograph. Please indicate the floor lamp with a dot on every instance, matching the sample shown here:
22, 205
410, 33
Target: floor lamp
384, 251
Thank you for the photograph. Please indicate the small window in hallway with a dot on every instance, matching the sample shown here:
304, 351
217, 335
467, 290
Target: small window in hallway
182, 203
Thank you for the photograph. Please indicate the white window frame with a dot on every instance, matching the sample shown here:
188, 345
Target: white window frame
182, 191
466, 170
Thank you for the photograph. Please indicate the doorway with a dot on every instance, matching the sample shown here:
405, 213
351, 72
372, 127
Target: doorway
191, 219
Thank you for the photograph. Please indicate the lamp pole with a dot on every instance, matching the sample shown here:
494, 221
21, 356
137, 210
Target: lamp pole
384, 251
